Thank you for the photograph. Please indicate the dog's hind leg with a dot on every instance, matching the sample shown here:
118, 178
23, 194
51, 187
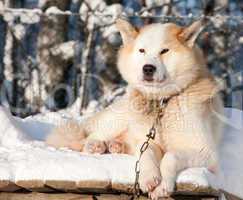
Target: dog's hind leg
70, 135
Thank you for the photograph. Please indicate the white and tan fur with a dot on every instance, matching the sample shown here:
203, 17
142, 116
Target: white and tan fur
188, 133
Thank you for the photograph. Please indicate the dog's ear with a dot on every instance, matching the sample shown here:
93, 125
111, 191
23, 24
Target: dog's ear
190, 34
127, 31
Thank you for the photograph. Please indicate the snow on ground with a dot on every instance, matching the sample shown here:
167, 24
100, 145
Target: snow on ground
24, 156
231, 155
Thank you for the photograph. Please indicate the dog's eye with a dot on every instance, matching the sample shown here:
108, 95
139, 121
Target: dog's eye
142, 50
164, 51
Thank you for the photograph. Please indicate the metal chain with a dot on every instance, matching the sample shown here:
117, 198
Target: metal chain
150, 136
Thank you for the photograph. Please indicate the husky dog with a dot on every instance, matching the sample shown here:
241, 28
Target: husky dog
158, 61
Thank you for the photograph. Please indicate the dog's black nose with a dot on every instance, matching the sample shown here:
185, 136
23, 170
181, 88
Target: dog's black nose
148, 72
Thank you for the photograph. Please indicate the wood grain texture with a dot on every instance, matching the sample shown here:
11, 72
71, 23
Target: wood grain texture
71, 196
8, 186
34, 186
98, 190
103, 185
191, 189
90, 186
43, 196
127, 188
62, 185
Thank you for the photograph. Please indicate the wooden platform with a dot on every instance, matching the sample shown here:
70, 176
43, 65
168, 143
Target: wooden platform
72, 196
55, 186
87, 190
96, 190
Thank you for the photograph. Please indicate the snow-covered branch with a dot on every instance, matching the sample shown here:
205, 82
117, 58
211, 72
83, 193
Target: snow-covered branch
109, 12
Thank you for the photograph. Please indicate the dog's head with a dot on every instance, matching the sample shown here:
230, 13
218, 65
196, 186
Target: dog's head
160, 59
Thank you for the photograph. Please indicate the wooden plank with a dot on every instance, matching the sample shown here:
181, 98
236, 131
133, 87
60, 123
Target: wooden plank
193, 197
62, 185
113, 197
41, 186
127, 188
118, 197
100, 185
71, 196
191, 189
175, 197
34, 185
181, 189
43, 196
8, 186
187, 191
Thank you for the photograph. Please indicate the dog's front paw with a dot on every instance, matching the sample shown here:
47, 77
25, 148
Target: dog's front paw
95, 147
164, 189
116, 146
149, 181
149, 184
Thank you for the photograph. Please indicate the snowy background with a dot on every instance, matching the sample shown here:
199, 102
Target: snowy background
57, 55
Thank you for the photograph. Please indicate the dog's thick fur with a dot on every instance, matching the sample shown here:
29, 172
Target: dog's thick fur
188, 132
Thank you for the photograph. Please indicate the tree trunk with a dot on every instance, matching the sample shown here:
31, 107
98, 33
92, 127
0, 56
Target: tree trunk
7, 89
53, 31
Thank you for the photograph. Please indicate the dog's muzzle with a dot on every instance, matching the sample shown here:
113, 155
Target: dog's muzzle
148, 72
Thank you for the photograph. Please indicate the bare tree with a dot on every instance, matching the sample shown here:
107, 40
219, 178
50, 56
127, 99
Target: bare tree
53, 31
7, 59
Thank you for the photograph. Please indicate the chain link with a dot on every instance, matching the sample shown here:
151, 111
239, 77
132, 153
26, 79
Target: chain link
150, 136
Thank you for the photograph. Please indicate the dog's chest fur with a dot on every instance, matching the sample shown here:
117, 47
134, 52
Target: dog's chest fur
182, 125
